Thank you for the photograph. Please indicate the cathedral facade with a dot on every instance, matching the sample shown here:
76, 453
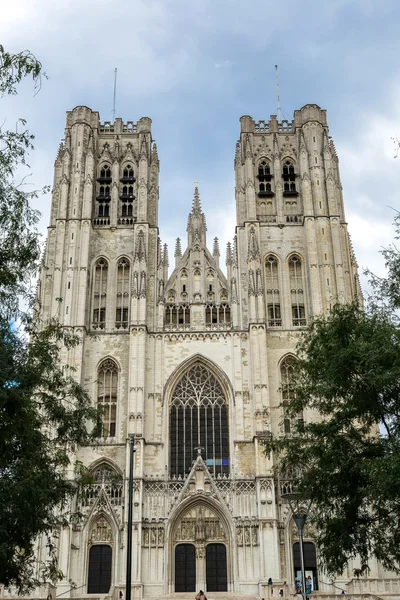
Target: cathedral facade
195, 361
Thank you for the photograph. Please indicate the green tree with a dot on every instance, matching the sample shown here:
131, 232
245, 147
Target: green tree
346, 453
44, 412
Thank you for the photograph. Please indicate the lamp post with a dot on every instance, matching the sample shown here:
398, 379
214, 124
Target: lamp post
299, 515
132, 450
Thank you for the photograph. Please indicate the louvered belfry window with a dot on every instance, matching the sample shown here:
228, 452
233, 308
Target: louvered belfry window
199, 419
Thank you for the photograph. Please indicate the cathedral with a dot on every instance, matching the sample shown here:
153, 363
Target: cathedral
190, 355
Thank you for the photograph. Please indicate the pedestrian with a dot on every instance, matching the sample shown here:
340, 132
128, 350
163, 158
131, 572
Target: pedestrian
269, 582
308, 585
201, 596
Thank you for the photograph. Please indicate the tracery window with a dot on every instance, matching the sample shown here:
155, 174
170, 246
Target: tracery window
289, 178
288, 390
272, 288
122, 300
99, 294
264, 179
104, 194
107, 391
199, 419
297, 291
127, 196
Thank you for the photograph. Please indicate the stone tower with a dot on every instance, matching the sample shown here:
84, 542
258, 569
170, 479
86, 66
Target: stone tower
195, 363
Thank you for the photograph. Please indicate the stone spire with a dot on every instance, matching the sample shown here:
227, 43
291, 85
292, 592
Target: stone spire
196, 227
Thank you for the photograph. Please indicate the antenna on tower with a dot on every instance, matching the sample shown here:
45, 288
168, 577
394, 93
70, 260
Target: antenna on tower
277, 93
115, 93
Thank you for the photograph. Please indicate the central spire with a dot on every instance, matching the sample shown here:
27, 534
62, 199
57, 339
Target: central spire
196, 227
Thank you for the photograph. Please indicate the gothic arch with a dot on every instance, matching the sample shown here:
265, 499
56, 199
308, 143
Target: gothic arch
100, 257
181, 369
107, 462
108, 357
285, 357
226, 524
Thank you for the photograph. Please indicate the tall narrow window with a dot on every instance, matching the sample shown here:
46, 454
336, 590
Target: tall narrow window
107, 389
104, 194
264, 179
199, 419
297, 291
289, 179
99, 294
122, 302
288, 392
127, 196
272, 292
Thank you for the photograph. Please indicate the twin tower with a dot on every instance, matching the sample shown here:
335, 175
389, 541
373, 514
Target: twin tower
195, 360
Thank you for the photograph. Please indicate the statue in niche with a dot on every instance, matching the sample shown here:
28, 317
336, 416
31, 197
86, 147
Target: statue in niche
247, 536
239, 536
200, 526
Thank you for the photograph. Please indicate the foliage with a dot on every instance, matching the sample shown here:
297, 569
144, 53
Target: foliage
349, 373
44, 412
347, 383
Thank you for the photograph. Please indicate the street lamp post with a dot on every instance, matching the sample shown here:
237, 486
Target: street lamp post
299, 515
132, 450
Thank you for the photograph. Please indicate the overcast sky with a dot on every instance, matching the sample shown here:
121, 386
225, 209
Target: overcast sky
196, 66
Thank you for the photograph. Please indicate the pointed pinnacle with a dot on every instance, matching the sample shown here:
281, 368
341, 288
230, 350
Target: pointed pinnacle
196, 206
165, 256
216, 247
178, 249
228, 254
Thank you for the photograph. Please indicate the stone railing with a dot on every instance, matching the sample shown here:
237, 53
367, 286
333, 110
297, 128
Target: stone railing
374, 586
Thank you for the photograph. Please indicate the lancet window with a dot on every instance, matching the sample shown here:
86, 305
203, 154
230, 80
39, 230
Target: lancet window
297, 291
199, 420
103, 478
104, 193
264, 179
272, 290
99, 299
289, 178
107, 392
288, 390
127, 195
122, 300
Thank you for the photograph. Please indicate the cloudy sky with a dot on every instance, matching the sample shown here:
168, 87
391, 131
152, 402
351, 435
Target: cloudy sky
196, 66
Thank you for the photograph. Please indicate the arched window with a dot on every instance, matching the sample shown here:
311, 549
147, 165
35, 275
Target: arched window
274, 318
105, 173
264, 179
288, 366
199, 419
104, 194
122, 302
289, 178
99, 294
127, 196
297, 291
107, 390
128, 175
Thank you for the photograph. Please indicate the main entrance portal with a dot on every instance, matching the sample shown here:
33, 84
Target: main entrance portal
200, 551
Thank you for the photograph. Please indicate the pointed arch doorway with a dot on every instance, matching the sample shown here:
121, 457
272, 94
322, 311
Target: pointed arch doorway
200, 551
